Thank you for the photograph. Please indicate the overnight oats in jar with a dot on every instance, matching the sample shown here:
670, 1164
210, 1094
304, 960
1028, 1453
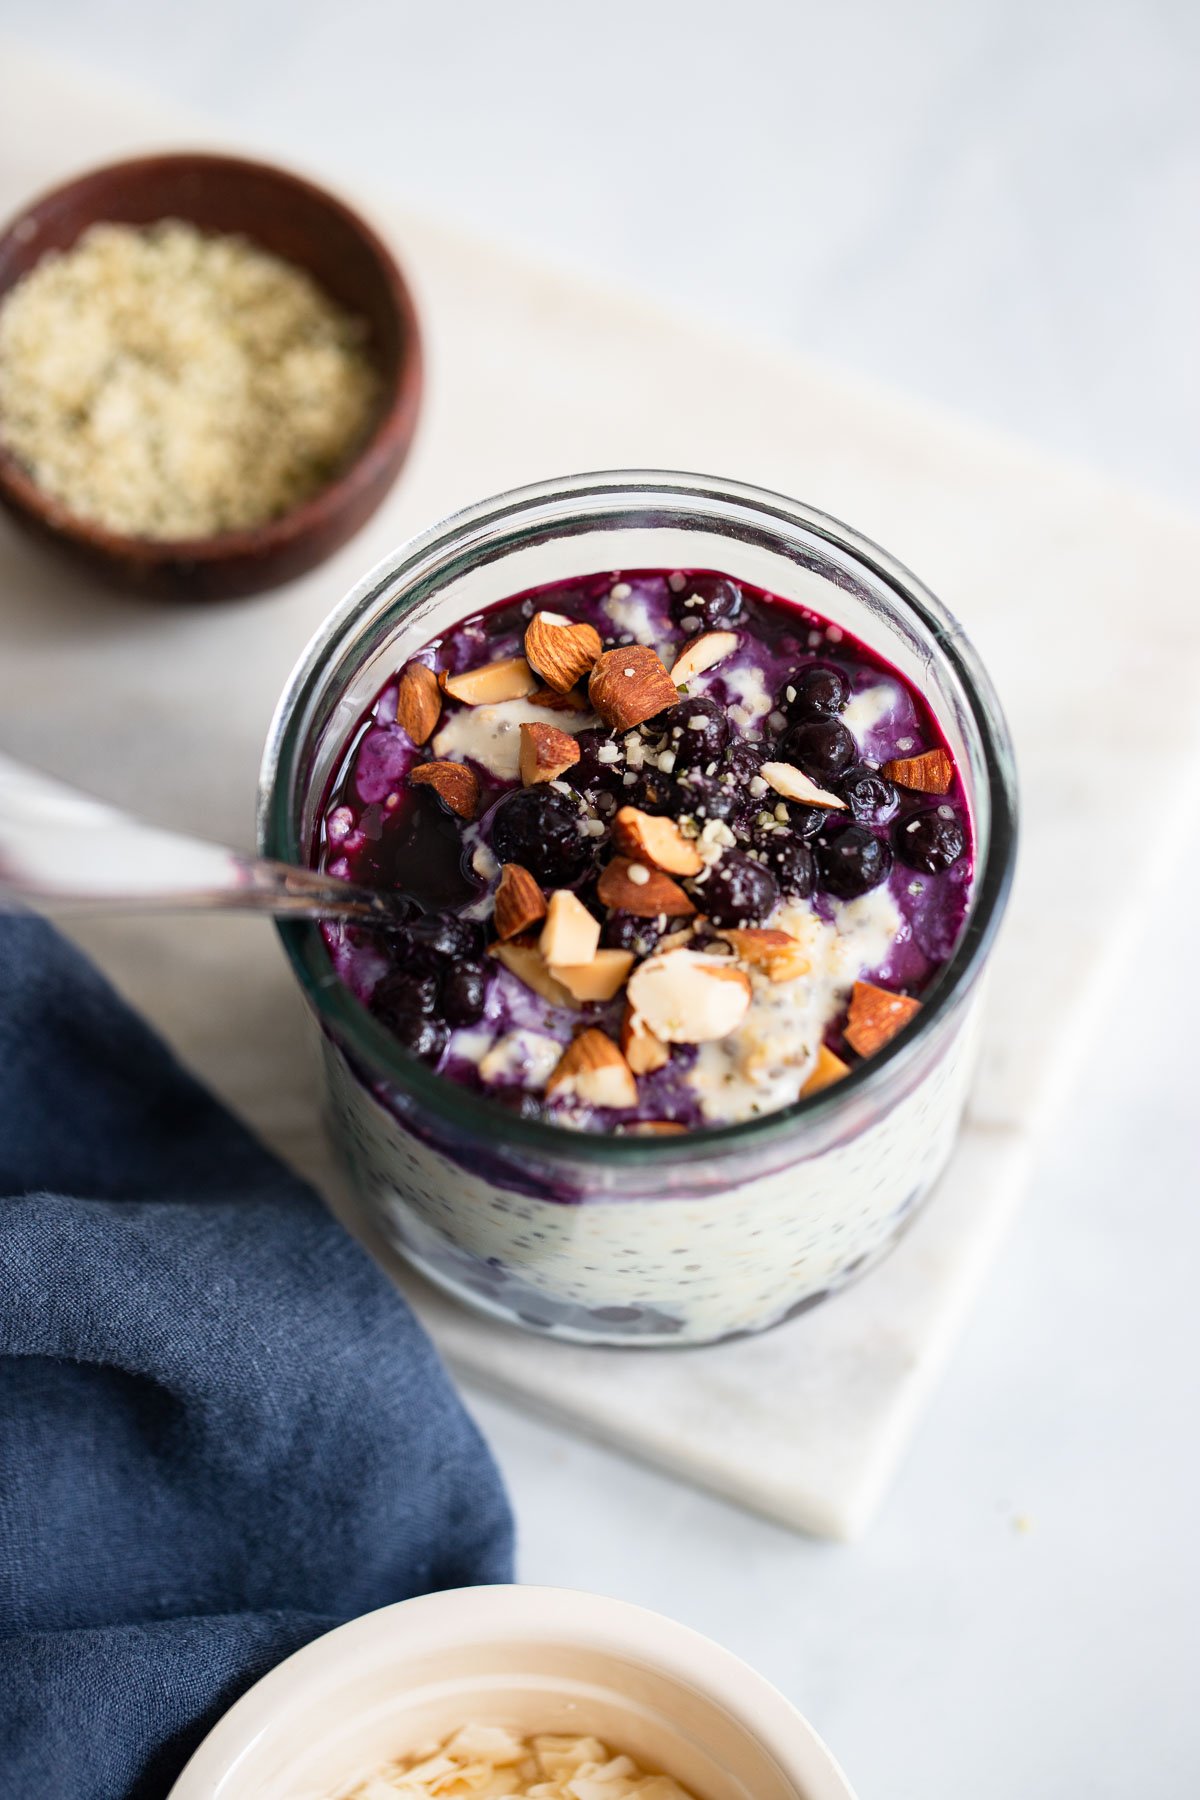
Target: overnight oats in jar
696, 814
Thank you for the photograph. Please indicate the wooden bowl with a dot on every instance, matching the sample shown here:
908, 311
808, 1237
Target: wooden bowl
299, 222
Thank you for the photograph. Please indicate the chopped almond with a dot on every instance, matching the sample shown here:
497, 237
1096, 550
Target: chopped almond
570, 934
571, 702
601, 979
704, 652
545, 753
794, 784
519, 902
659, 842
523, 959
492, 683
628, 685
931, 773
418, 701
781, 956
643, 1051
875, 1016
560, 650
828, 1069
635, 887
453, 783
688, 998
592, 1069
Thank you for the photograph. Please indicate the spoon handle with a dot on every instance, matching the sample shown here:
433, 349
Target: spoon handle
60, 845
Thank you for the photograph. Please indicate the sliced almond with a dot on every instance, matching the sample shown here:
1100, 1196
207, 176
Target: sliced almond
635, 887
828, 1069
778, 954
601, 979
492, 683
453, 783
704, 652
628, 685
560, 650
794, 784
656, 841
418, 701
592, 1069
930, 773
519, 902
688, 998
523, 959
570, 702
875, 1016
642, 1050
653, 1128
570, 934
545, 753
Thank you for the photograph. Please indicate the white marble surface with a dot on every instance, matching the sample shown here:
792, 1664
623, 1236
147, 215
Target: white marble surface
951, 1651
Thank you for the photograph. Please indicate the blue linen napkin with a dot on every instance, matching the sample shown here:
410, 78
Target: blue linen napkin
221, 1430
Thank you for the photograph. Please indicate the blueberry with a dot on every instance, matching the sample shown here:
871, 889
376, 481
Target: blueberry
400, 995
696, 731
652, 792
803, 822
736, 891
396, 910
425, 1037
519, 1101
464, 991
823, 748
871, 797
851, 861
792, 864
539, 827
743, 761
931, 841
438, 936
625, 931
595, 772
816, 692
707, 797
707, 603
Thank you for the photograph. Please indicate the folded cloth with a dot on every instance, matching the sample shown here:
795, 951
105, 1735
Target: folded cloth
221, 1430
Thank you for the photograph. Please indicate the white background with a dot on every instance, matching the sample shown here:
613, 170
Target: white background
994, 204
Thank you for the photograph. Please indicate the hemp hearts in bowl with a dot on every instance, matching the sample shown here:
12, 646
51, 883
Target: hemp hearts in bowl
209, 373
168, 384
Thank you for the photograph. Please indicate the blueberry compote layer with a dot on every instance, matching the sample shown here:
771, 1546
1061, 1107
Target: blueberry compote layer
642, 894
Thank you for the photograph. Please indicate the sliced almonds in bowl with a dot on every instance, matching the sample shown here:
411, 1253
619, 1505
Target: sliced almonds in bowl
592, 1069
686, 997
646, 838
491, 683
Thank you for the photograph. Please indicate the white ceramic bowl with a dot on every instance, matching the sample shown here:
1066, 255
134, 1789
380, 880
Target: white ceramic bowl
534, 1659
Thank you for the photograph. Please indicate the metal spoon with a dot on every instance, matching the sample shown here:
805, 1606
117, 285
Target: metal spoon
59, 845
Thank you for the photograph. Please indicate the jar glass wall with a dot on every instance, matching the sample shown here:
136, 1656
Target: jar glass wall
642, 1240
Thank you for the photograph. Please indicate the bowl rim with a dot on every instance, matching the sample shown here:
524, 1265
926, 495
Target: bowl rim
391, 432
489, 1614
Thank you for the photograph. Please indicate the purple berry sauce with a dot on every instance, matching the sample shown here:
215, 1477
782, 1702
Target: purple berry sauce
794, 690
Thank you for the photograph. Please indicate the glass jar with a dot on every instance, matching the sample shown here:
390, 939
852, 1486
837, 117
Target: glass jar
626, 1239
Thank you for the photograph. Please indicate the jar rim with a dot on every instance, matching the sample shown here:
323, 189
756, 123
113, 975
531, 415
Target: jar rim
349, 1022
